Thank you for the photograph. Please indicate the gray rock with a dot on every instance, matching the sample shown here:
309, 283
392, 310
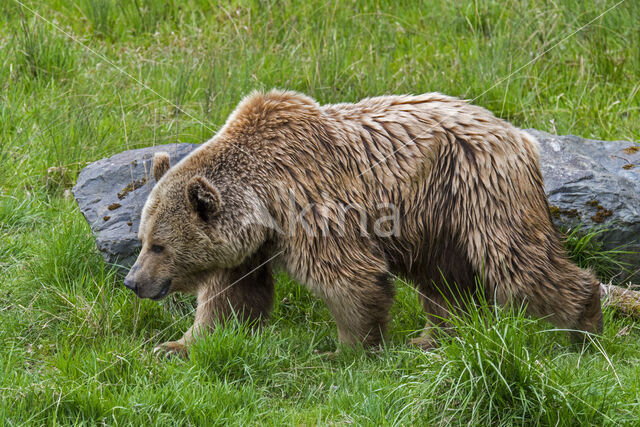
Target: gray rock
588, 182
594, 183
111, 193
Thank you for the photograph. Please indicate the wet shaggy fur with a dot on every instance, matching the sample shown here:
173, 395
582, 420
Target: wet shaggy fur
272, 186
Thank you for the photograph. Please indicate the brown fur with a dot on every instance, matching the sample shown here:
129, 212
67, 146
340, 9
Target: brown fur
466, 184
160, 165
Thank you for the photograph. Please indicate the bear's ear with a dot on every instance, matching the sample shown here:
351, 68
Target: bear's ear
203, 197
160, 164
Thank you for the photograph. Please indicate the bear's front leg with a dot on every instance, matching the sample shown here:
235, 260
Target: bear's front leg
359, 297
204, 320
361, 310
246, 292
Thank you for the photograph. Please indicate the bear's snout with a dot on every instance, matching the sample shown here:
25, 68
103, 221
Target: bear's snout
131, 284
130, 280
145, 288
165, 285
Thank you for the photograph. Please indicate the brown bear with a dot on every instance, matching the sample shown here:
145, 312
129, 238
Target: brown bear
348, 197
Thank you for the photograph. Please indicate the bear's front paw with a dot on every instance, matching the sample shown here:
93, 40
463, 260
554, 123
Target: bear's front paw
327, 354
424, 342
170, 349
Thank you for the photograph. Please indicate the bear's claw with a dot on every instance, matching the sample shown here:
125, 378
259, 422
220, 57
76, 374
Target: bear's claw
170, 349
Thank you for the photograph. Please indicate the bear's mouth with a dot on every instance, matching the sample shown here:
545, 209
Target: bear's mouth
166, 284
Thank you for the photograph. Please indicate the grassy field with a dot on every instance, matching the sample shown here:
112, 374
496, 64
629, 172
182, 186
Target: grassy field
80, 80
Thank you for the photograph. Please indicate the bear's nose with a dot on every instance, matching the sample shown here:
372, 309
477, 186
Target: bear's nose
130, 284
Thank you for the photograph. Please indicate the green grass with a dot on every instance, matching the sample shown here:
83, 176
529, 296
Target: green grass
77, 346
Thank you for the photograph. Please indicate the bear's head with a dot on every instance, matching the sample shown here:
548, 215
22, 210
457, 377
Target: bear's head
192, 223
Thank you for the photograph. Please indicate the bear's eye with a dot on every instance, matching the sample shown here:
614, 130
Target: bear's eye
157, 249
